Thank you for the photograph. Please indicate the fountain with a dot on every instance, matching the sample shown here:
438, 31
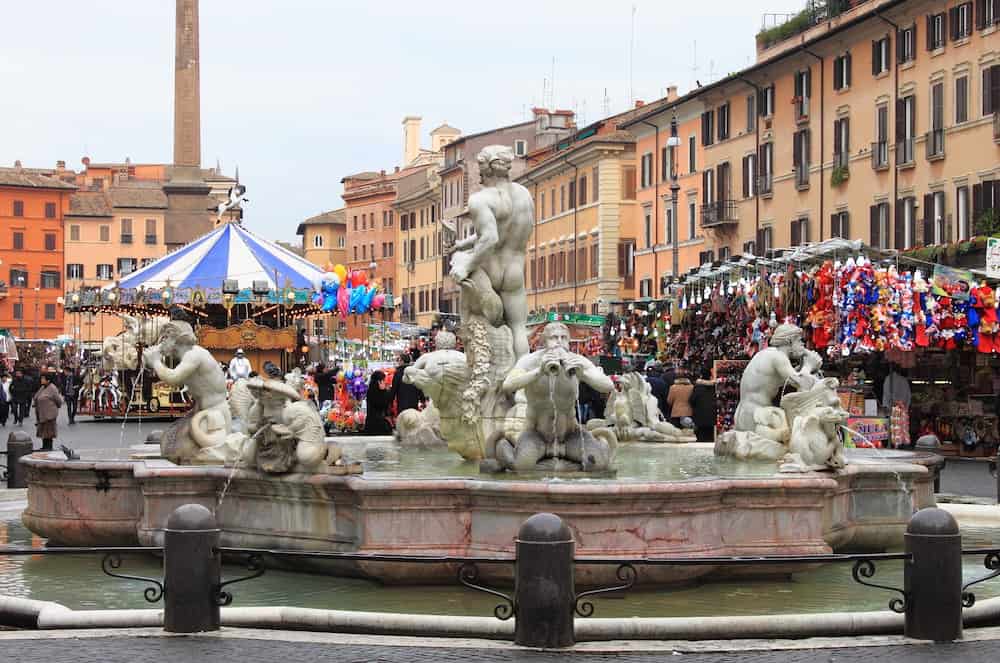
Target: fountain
510, 415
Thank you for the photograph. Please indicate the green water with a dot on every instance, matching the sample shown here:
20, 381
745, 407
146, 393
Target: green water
77, 582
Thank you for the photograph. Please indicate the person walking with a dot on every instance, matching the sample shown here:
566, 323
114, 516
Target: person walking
47, 402
4, 399
703, 407
69, 385
239, 367
679, 399
20, 396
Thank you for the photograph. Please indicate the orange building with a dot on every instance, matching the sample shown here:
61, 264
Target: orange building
32, 206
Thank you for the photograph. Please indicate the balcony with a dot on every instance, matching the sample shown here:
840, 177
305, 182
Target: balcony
904, 152
934, 142
880, 155
802, 176
719, 213
126, 238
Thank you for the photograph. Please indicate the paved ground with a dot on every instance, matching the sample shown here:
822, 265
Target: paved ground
267, 646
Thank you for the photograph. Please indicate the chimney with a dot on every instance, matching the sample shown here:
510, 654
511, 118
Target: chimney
639, 103
411, 138
17, 164
397, 169
60, 166
671, 93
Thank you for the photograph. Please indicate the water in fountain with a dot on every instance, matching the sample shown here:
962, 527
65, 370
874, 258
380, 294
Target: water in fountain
878, 454
236, 466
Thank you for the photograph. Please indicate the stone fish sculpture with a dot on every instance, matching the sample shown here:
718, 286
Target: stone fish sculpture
635, 415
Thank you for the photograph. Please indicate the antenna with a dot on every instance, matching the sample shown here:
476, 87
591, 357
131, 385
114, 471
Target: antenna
711, 70
694, 65
552, 85
631, 61
545, 87
607, 104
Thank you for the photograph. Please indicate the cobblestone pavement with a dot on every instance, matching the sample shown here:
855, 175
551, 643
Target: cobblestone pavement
125, 649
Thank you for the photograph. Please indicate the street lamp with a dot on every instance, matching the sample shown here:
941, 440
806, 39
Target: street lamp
20, 302
673, 143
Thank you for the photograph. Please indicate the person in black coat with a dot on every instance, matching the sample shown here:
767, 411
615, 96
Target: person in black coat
703, 407
659, 388
324, 384
22, 390
407, 396
378, 401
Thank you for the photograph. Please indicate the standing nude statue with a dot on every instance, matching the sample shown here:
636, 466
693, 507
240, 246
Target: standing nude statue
551, 380
770, 370
210, 422
489, 265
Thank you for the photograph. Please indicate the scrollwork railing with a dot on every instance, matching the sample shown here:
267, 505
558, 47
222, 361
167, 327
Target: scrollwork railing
113, 560
992, 562
865, 568
468, 575
625, 572
255, 565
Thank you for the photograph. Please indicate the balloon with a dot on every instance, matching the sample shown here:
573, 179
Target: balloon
369, 297
357, 296
349, 374
332, 277
340, 271
379, 301
343, 300
362, 277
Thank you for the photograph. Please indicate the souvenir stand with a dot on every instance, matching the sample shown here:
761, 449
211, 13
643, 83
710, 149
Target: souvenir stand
935, 328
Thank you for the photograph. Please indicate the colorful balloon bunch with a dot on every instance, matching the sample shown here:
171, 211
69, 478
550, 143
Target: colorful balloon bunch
356, 385
347, 292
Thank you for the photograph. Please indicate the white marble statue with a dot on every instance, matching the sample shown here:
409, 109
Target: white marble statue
634, 414
817, 416
441, 375
237, 196
118, 353
201, 436
550, 378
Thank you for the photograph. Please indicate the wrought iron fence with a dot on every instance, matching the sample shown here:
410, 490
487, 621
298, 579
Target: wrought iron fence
719, 213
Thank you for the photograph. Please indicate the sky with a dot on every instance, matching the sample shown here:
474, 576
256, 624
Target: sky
299, 93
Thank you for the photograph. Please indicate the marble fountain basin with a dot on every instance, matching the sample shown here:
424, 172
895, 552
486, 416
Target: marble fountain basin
666, 501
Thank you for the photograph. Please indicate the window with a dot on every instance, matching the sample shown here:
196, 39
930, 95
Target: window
50, 241
355, 253
800, 156
960, 21
105, 272
766, 160
879, 226
626, 262
541, 205
842, 72
647, 170
724, 253
664, 164
18, 311
355, 222
692, 220
934, 232
581, 263
50, 311
583, 191
150, 231
767, 101
935, 137
520, 148
800, 231
19, 277
648, 229
572, 194
628, 183
803, 91
562, 198
880, 56
50, 210
751, 112
317, 241
705, 257
423, 247
668, 225
723, 114
880, 148
50, 279
707, 186
532, 269
553, 269
991, 89
987, 13
841, 142
126, 231
765, 240
105, 233
905, 231
126, 266
74, 271
750, 248
646, 287
961, 99
906, 50
552, 201
595, 196
749, 176
962, 209
906, 123
595, 260
18, 208
74, 233
708, 127
18, 239
840, 225
341, 242
364, 251
935, 31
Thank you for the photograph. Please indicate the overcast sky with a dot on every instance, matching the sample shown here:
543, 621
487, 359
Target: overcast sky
299, 93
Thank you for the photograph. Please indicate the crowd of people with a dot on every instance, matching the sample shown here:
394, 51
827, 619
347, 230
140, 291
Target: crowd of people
47, 392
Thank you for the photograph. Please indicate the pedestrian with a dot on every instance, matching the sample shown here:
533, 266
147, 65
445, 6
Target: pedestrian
407, 396
47, 402
679, 399
657, 386
324, 384
4, 399
703, 407
20, 396
69, 385
378, 401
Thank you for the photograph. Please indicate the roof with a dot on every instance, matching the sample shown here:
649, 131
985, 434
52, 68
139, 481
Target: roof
136, 194
333, 217
489, 131
445, 128
366, 175
89, 203
26, 178
619, 136
741, 75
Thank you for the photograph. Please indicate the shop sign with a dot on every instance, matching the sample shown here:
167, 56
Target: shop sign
867, 432
952, 282
583, 319
993, 257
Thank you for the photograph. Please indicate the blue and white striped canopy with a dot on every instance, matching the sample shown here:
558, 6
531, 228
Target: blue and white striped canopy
228, 252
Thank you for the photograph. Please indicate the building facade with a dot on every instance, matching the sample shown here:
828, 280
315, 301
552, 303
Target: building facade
419, 264
324, 238
32, 208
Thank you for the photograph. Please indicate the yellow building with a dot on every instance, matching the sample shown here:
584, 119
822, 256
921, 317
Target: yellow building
420, 266
324, 238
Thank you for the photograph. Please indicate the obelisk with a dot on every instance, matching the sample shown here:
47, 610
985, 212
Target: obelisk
188, 205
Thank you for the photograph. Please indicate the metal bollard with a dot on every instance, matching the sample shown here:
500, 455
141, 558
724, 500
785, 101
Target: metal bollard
544, 589
191, 571
933, 579
19, 445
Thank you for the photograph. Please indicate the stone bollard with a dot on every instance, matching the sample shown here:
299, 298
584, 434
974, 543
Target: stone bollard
192, 569
544, 589
933, 579
19, 445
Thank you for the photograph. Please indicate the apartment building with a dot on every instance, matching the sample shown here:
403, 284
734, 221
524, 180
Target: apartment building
324, 238
420, 264
878, 124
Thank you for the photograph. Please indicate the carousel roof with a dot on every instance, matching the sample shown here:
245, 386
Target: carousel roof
228, 252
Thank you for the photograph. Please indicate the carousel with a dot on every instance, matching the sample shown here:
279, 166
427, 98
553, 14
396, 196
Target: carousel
238, 291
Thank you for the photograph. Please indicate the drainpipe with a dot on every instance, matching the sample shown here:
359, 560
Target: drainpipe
822, 136
576, 207
756, 158
656, 205
895, 102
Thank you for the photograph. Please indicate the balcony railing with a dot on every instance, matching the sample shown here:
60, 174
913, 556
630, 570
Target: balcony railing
934, 142
151, 239
126, 238
765, 184
904, 152
802, 175
719, 213
880, 155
